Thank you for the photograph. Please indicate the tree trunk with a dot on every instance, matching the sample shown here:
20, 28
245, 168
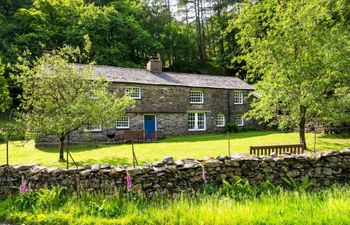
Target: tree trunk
186, 11
167, 2
221, 41
302, 126
61, 158
202, 24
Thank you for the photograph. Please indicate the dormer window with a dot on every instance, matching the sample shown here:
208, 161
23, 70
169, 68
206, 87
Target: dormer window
238, 97
196, 97
133, 92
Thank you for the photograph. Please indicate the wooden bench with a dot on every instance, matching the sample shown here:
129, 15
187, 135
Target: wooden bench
136, 135
277, 149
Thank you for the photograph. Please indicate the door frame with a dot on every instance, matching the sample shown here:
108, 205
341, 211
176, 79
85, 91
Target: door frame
155, 121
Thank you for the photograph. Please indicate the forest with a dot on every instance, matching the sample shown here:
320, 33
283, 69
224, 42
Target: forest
189, 36
294, 52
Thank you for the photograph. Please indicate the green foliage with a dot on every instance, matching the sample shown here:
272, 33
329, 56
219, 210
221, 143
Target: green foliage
122, 33
182, 47
236, 203
12, 131
49, 199
240, 189
117, 37
302, 186
10, 7
45, 199
336, 112
299, 49
5, 100
26, 202
232, 127
247, 129
60, 98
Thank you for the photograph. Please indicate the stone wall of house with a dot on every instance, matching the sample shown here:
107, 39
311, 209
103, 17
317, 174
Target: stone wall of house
176, 99
171, 105
169, 176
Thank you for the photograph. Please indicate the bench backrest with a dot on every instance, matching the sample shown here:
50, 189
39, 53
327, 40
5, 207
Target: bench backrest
277, 149
132, 135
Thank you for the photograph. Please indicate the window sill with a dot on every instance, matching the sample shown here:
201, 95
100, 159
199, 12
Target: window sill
197, 129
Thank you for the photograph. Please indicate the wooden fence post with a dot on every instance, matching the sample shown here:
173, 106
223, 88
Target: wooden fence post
228, 143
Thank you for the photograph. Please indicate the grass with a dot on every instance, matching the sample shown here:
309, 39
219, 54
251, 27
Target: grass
195, 146
227, 205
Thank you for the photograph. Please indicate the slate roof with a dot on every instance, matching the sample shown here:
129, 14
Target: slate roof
143, 76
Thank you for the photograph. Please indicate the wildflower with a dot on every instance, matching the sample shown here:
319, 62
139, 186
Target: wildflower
23, 187
128, 180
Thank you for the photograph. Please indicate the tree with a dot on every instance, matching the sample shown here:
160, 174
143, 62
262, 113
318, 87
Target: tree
9, 7
60, 97
117, 37
5, 99
301, 49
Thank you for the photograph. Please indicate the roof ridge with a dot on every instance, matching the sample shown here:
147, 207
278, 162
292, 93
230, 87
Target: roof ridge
143, 76
173, 72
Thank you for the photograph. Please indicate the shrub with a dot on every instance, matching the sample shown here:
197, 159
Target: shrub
50, 198
301, 186
232, 127
246, 129
26, 202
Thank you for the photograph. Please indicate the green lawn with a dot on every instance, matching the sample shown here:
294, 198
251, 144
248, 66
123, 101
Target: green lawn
198, 146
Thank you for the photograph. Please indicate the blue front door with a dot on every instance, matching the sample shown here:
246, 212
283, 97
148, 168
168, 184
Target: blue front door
150, 125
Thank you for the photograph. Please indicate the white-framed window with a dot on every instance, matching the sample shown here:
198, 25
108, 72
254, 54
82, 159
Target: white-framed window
123, 122
196, 121
220, 120
133, 92
93, 128
196, 97
239, 121
238, 97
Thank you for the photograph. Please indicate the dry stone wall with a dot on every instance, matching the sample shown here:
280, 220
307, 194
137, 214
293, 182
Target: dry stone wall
169, 176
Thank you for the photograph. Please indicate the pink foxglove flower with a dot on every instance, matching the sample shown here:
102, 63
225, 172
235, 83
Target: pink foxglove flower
23, 187
128, 180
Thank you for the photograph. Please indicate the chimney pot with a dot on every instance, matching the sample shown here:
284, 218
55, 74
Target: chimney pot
154, 65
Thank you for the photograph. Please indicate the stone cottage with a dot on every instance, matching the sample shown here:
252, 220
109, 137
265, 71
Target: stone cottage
168, 103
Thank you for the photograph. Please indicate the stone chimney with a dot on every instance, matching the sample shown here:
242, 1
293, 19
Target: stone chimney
154, 65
